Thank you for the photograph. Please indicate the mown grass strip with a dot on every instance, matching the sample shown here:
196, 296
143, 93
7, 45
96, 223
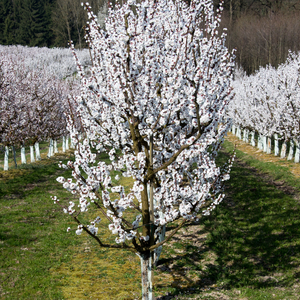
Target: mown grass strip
33, 233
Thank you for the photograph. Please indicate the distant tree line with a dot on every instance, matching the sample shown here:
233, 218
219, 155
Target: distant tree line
44, 22
26, 22
261, 31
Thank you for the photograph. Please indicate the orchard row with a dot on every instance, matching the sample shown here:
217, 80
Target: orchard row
37, 89
267, 105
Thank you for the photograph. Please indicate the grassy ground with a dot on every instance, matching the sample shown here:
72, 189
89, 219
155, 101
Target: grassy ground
33, 236
247, 249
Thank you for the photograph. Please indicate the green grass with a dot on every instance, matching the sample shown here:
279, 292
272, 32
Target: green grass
248, 248
255, 234
275, 171
33, 235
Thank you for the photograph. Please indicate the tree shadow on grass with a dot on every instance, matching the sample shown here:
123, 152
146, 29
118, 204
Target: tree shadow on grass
253, 242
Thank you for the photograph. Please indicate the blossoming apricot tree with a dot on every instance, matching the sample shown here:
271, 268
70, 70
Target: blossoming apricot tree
157, 93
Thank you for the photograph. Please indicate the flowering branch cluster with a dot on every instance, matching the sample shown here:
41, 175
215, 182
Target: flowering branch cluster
160, 80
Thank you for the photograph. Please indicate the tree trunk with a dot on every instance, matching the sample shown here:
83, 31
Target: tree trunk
150, 194
147, 275
230, 12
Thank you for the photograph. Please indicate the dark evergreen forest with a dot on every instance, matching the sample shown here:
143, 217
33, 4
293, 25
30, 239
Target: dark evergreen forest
261, 31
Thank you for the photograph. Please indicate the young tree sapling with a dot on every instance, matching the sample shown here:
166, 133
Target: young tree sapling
157, 94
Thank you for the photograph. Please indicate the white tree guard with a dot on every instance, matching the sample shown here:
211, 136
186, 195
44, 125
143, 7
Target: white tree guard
264, 141
283, 150
37, 151
238, 132
64, 144
6, 154
276, 145
291, 150
233, 129
67, 143
147, 276
55, 146
31, 153
72, 144
50, 150
253, 138
23, 155
246, 135
269, 145
260, 142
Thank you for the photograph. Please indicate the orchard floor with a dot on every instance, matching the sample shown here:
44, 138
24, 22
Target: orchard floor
247, 249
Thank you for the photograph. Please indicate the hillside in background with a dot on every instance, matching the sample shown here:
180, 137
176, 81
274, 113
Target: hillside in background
262, 31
